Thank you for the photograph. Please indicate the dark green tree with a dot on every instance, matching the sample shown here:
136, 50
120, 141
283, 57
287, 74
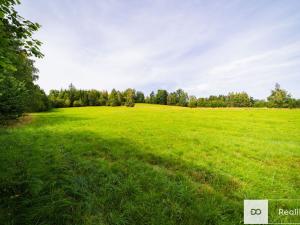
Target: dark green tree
114, 98
182, 97
71, 94
152, 99
139, 97
103, 98
161, 97
39, 102
93, 97
12, 98
16, 66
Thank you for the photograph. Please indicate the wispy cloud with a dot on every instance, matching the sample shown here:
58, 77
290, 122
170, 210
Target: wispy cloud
206, 47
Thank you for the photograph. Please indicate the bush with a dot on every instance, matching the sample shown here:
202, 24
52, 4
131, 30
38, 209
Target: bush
129, 97
192, 102
67, 103
114, 98
39, 101
129, 103
12, 98
57, 103
77, 103
259, 103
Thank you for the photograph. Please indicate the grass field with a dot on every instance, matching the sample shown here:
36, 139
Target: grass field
146, 165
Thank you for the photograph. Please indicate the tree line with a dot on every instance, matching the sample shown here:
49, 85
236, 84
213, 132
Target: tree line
279, 98
72, 97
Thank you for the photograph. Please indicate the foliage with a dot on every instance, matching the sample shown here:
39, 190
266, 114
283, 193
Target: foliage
241, 99
77, 103
113, 99
139, 97
279, 98
172, 98
12, 96
161, 97
75, 97
182, 97
38, 100
152, 98
259, 103
129, 96
192, 102
15, 37
17, 69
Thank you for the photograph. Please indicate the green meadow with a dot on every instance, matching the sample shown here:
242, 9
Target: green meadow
149, 164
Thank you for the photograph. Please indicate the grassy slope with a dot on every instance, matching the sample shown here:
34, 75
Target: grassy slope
146, 165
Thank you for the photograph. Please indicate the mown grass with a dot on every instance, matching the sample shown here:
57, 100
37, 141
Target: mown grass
146, 165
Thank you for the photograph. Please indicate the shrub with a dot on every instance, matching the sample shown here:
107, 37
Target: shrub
12, 98
192, 102
129, 103
114, 98
67, 103
77, 103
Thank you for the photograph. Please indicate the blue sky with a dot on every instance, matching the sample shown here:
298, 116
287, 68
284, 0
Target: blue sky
205, 47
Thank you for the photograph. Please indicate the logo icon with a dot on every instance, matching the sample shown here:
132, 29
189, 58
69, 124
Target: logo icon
255, 211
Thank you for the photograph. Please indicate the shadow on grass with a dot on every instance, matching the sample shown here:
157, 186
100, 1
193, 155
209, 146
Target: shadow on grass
55, 119
82, 178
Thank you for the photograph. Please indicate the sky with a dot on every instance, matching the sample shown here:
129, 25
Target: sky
206, 47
